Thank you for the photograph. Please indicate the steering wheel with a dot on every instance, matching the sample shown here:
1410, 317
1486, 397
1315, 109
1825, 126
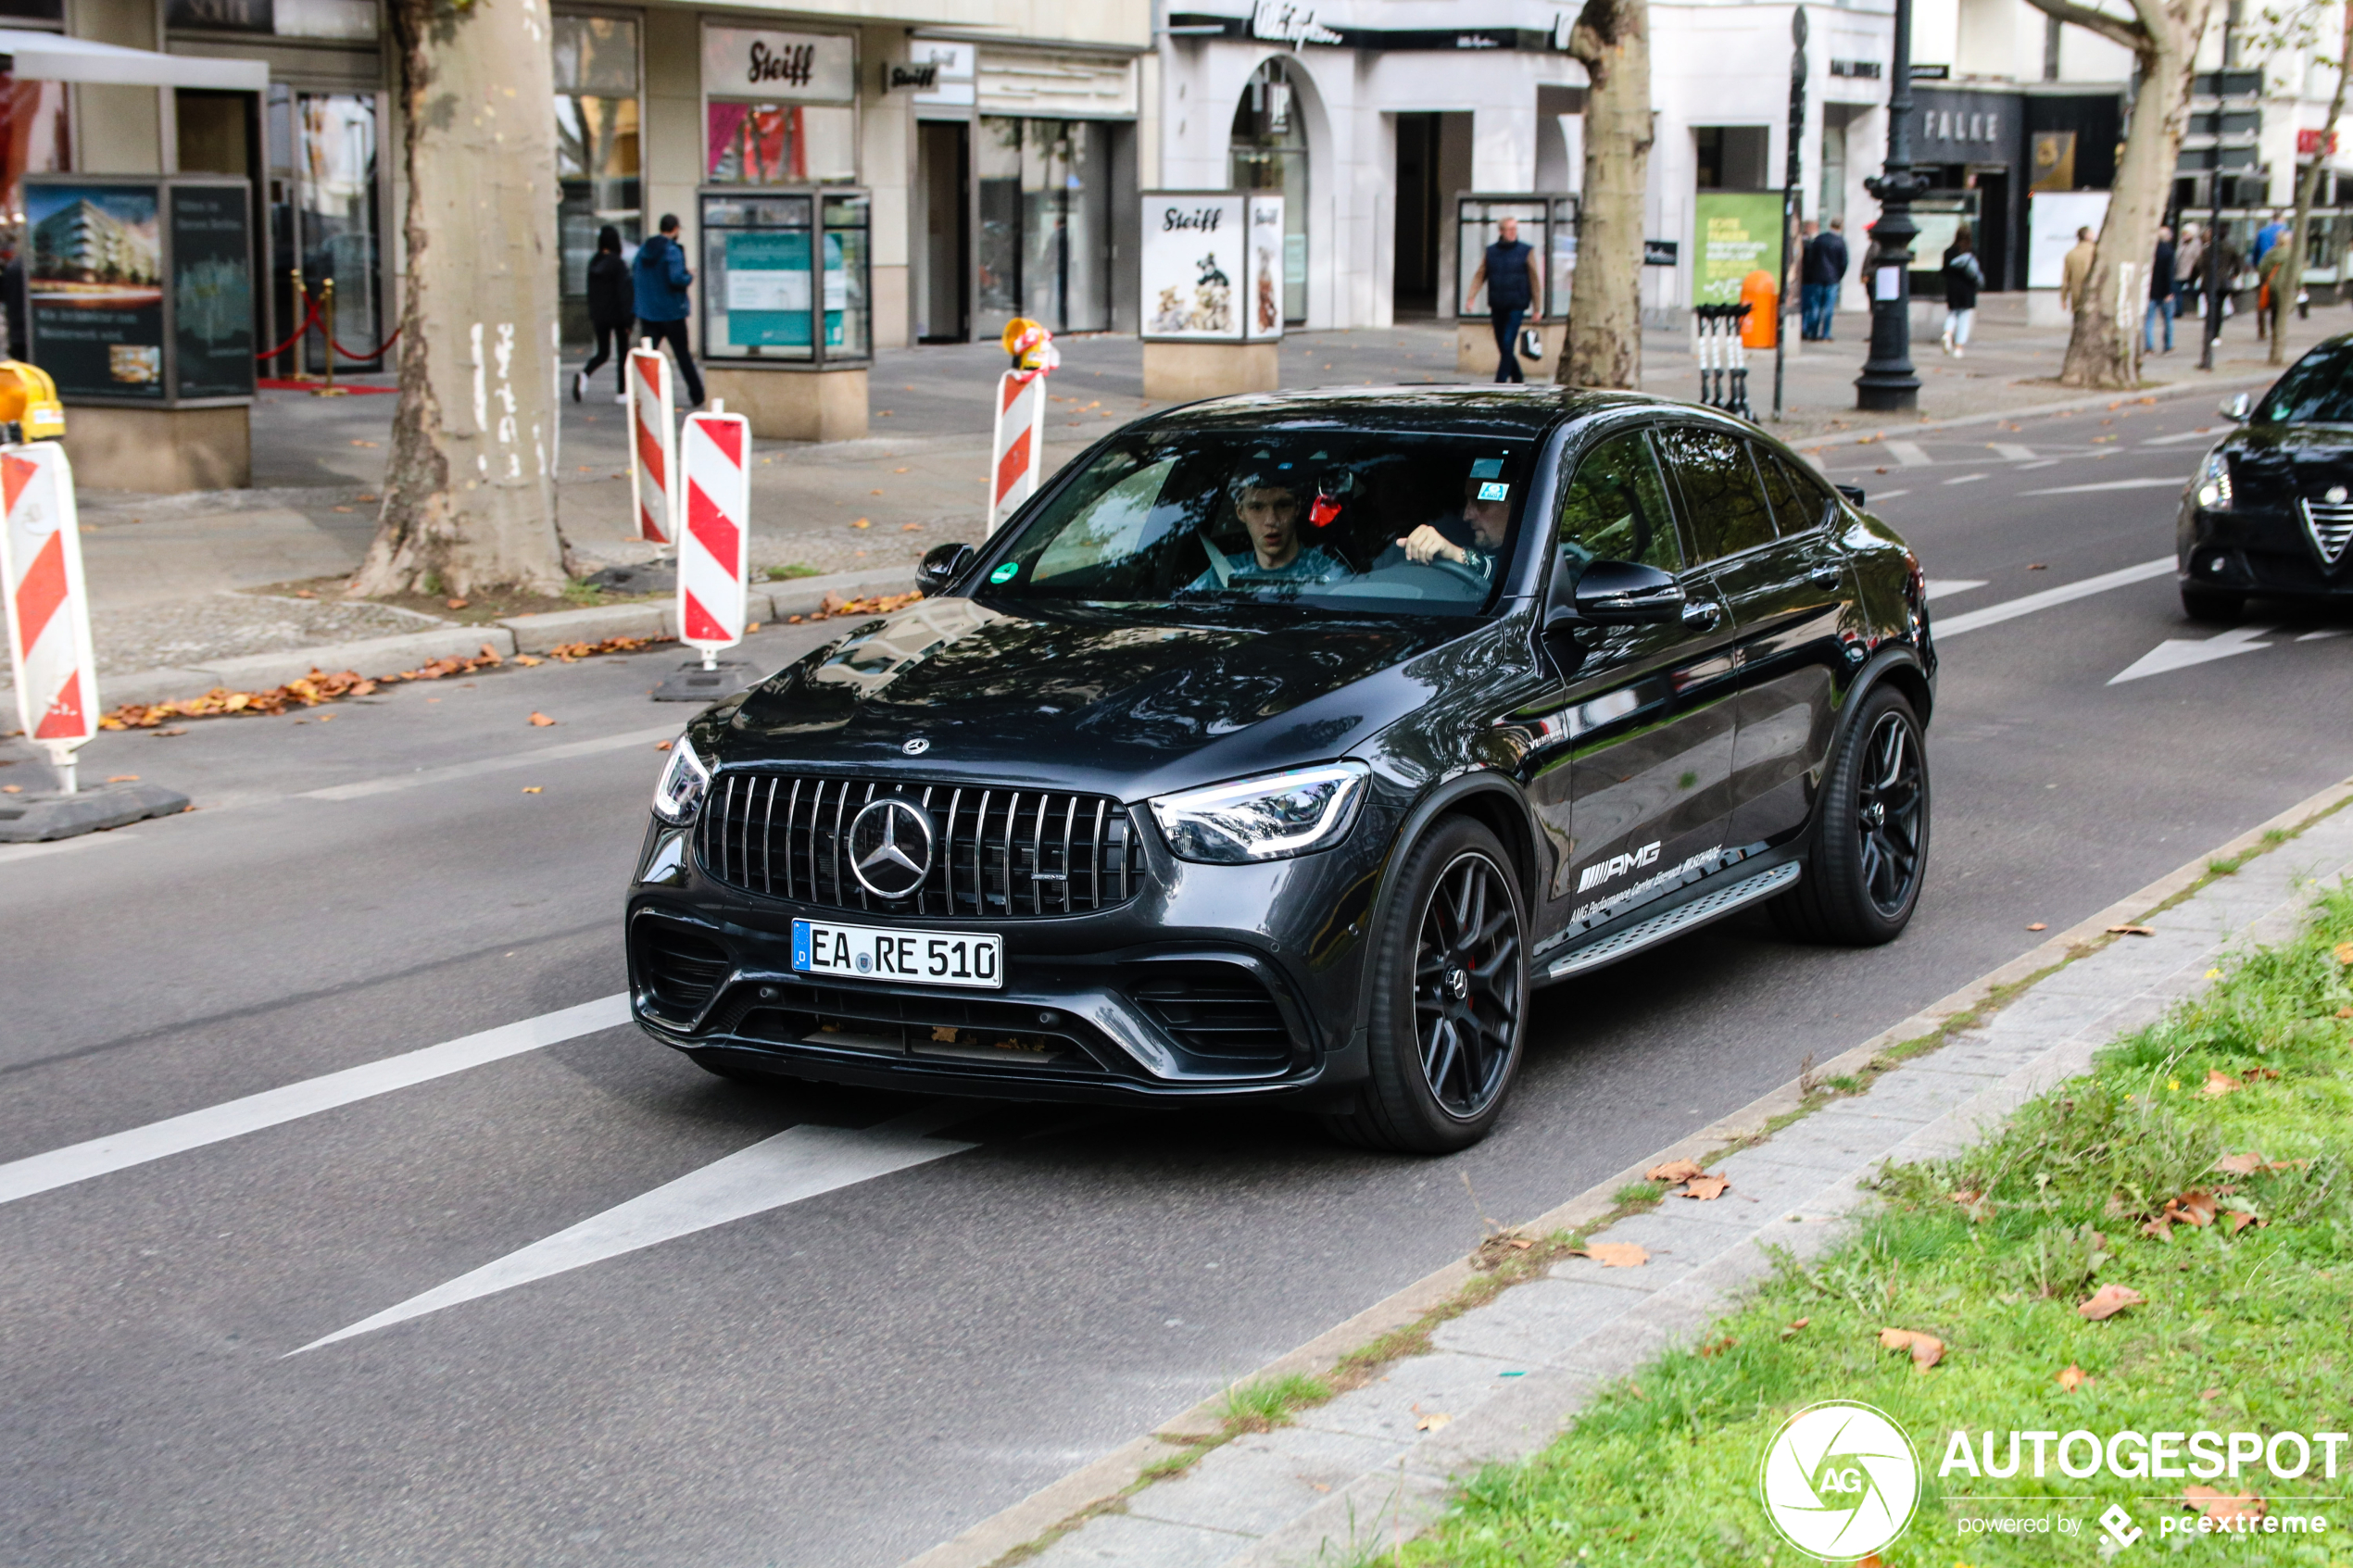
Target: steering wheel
1466, 572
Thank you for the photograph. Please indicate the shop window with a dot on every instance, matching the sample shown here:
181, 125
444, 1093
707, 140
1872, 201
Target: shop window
782, 145
1269, 153
323, 218
1045, 224
33, 139
599, 167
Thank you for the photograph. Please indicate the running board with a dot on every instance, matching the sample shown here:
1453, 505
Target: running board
1675, 922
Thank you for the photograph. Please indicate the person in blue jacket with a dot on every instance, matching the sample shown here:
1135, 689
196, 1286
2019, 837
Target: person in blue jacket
661, 277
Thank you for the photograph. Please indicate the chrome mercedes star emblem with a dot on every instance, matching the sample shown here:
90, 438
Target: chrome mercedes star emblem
916, 747
890, 844
2335, 497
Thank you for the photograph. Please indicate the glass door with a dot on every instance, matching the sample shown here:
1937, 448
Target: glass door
323, 220
598, 171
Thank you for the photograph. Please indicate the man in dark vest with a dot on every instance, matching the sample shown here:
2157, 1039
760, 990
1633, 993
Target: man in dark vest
1513, 289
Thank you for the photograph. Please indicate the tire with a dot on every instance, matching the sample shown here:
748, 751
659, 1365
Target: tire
1449, 998
2218, 607
1868, 852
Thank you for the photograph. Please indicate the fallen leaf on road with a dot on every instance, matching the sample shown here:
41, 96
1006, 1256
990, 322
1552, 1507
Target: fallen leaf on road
1613, 1254
122, 778
2237, 1220
2108, 1301
2218, 1082
2223, 1506
2039, 925
540, 720
2070, 1378
2192, 1208
1708, 1189
861, 522
1795, 1324
2244, 1164
1676, 1171
910, 528
2037, 566
304, 594
873, 492
899, 470
529, 660
323, 719
179, 730
2130, 931
11, 789
531, 789
665, 746
1433, 1420
457, 604
1926, 1348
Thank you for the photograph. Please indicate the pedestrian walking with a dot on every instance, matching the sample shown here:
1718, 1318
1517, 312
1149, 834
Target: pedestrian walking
2271, 271
1821, 269
1963, 278
612, 304
2268, 236
1508, 273
2189, 281
2075, 272
661, 278
2160, 294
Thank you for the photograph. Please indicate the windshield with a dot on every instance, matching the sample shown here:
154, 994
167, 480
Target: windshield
1347, 523
2317, 390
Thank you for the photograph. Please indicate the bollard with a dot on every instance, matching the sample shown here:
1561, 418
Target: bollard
653, 445
1017, 443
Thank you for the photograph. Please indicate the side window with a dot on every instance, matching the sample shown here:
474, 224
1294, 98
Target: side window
1722, 497
1797, 505
1616, 510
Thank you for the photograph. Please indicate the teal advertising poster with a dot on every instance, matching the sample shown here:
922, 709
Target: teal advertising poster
768, 290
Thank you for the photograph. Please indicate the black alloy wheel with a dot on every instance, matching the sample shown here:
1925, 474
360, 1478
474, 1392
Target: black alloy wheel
1869, 853
1450, 998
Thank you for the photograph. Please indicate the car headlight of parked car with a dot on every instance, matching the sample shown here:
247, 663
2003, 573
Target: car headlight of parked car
2214, 483
1272, 817
684, 783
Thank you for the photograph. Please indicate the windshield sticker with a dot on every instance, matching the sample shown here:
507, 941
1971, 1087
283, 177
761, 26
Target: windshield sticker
1486, 467
1005, 574
1490, 491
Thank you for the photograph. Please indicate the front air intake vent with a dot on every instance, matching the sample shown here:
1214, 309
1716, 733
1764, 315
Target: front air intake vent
678, 967
1216, 1010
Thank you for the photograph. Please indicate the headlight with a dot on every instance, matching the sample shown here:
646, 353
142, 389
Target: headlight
679, 794
2214, 483
1268, 817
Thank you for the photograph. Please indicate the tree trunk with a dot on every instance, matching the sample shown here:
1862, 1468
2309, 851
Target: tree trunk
2104, 349
2290, 277
1612, 38
468, 496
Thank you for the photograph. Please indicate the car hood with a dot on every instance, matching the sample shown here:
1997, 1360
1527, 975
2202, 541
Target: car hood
1080, 697
2271, 465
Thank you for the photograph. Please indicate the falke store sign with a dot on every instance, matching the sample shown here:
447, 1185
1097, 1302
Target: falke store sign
800, 67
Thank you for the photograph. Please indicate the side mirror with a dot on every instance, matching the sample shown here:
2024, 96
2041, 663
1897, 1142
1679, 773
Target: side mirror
1852, 492
1618, 593
2237, 409
943, 564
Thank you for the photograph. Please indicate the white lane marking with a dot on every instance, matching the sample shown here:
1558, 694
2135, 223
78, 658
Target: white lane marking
2180, 653
797, 1163
1885, 495
2201, 434
365, 788
2011, 452
1940, 586
2046, 463
1994, 615
117, 1151
1908, 453
1966, 479
58, 847
2171, 481
2316, 636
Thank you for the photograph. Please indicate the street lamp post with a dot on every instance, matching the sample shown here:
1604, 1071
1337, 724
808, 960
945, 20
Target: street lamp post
1792, 206
1888, 383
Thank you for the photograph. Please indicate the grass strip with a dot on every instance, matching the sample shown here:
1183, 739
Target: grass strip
2244, 1326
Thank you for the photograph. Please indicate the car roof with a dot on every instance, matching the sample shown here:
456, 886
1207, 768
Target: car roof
1435, 407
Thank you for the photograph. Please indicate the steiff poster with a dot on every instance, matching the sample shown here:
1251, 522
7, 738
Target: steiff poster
1195, 265
1264, 319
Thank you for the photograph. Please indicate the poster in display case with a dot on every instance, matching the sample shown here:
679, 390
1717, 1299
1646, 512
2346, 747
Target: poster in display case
1213, 266
140, 291
786, 277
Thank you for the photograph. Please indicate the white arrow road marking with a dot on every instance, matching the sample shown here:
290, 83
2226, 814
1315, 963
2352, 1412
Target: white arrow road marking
2180, 653
1907, 453
2174, 480
1994, 615
117, 1151
2316, 636
2010, 452
797, 1164
1940, 586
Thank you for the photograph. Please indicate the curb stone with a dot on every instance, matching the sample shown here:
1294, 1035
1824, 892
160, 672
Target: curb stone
1929, 1106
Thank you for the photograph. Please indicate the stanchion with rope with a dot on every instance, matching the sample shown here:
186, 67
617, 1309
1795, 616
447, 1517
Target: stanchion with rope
301, 371
714, 473
49, 648
1016, 447
327, 308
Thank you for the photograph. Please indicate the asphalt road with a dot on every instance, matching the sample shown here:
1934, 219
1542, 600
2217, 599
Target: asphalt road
837, 1369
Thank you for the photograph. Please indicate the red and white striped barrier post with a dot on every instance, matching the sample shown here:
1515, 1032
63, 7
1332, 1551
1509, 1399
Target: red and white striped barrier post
49, 611
653, 449
713, 557
1018, 448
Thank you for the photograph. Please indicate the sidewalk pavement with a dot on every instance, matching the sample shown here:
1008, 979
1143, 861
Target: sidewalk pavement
1351, 1477
171, 577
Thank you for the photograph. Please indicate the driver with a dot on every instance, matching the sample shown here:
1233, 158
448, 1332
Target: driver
1268, 504
1474, 540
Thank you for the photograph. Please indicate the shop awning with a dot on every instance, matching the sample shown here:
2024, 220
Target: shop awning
51, 56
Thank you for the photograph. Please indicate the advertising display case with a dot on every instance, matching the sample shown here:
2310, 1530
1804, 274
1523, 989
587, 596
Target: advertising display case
786, 278
139, 292
1213, 269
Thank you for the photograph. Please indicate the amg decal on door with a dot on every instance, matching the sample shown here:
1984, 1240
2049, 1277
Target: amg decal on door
1616, 866
1705, 860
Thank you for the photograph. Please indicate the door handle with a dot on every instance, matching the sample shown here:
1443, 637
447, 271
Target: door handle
1825, 576
1700, 612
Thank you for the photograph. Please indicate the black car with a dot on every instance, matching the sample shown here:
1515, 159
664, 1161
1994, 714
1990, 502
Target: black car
2271, 509
1283, 744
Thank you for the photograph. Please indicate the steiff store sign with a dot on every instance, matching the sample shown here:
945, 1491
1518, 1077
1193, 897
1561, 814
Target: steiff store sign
815, 67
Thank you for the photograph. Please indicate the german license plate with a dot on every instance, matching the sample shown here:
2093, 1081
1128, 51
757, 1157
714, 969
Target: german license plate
972, 959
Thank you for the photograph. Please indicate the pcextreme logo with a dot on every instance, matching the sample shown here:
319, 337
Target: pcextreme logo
1840, 1480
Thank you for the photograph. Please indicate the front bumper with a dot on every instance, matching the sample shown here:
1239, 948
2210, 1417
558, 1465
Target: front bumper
1214, 982
2255, 550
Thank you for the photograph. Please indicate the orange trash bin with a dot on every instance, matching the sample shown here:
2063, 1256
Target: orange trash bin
1764, 314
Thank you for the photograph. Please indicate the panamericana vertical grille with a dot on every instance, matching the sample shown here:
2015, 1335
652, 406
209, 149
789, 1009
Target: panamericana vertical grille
997, 853
2330, 525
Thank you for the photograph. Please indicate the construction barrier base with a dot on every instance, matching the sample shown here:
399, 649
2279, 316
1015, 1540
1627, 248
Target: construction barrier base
38, 819
694, 684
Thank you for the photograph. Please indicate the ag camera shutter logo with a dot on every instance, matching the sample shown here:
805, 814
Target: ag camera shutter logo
1840, 1480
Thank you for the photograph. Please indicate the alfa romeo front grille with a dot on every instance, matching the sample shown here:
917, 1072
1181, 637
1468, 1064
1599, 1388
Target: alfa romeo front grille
996, 854
2330, 524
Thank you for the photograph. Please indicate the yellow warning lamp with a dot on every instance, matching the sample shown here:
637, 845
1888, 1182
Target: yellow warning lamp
1026, 340
28, 406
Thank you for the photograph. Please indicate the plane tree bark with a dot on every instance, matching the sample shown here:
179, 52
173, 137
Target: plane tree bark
1612, 40
468, 496
2104, 349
